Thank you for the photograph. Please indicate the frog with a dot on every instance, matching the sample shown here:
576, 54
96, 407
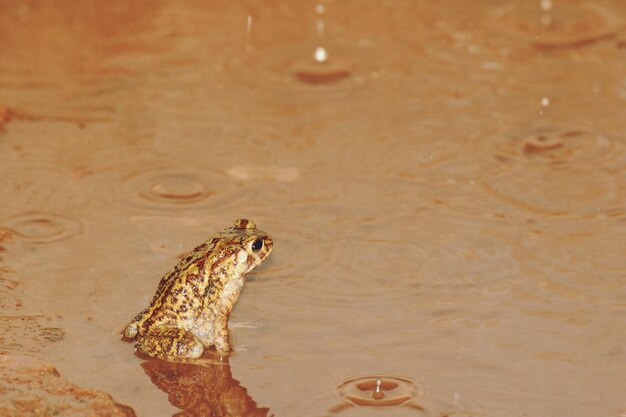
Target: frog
190, 310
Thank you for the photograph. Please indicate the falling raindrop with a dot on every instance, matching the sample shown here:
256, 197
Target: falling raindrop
321, 70
544, 102
320, 54
248, 30
320, 25
320, 63
546, 16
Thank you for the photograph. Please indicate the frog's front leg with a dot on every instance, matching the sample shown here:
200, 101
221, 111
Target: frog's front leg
222, 335
170, 343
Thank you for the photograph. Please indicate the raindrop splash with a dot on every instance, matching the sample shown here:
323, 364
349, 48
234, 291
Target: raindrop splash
381, 391
320, 70
378, 393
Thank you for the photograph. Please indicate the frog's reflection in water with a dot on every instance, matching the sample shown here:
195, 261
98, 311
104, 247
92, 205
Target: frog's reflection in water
206, 389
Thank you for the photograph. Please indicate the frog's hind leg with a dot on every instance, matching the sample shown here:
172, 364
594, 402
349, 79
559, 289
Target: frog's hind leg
130, 331
170, 343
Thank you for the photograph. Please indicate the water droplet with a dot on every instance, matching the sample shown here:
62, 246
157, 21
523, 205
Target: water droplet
545, 5
380, 391
320, 26
320, 54
546, 20
248, 30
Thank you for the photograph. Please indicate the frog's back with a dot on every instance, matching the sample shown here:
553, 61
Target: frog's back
181, 290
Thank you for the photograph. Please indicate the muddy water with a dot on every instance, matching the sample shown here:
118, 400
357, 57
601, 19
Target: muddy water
445, 186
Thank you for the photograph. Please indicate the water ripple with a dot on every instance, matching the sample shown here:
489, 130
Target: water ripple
396, 260
350, 64
557, 145
381, 391
165, 188
35, 227
389, 395
584, 248
562, 25
556, 170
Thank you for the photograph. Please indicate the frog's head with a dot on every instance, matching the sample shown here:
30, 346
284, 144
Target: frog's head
256, 244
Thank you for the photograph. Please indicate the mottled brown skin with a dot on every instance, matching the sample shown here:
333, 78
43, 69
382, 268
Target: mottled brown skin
190, 309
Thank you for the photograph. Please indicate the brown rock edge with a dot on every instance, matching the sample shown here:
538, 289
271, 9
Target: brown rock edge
31, 387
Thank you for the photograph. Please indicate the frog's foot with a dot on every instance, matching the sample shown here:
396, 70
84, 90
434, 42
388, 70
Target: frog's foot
222, 344
130, 331
170, 343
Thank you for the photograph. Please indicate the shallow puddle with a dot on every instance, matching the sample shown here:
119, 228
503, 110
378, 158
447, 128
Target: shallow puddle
445, 186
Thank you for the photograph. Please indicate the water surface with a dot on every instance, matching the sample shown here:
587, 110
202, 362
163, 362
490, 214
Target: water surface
445, 189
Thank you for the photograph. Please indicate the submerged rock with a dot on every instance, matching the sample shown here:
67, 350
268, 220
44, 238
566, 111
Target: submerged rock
31, 387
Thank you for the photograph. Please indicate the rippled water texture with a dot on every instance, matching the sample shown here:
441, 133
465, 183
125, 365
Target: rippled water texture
445, 185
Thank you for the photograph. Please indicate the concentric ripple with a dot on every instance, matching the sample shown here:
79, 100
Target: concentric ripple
397, 260
545, 169
580, 194
381, 391
577, 259
391, 395
558, 25
556, 144
36, 227
174, 189
165, 188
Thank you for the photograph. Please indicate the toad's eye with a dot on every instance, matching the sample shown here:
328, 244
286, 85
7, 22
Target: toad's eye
257, 245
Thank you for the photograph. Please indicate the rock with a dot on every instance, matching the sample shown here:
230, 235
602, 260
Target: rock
31, 387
